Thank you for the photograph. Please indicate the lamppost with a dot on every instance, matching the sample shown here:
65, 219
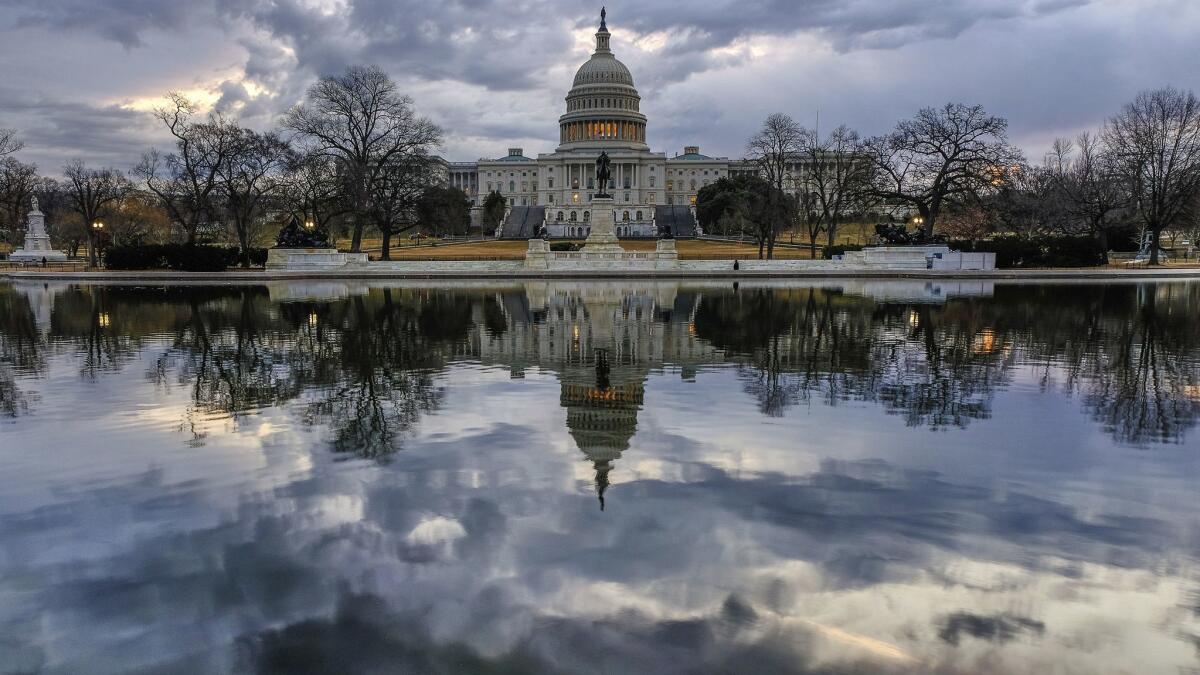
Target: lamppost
94, 244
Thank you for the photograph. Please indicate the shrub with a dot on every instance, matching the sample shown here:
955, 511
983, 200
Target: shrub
144, 257
168, 256
197, 258
565, 246
1042, 251
831, 251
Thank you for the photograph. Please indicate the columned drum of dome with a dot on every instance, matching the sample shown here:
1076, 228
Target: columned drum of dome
603, 106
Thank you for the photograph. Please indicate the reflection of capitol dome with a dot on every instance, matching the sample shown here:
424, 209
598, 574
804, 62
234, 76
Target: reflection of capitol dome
601, 414
603, 106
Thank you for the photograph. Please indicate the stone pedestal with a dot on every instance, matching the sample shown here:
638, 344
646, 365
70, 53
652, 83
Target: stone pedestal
603, 236
537, 256
37, 242
665, 252
311, 258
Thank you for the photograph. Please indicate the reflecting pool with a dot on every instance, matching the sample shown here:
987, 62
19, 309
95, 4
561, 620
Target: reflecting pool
600, 477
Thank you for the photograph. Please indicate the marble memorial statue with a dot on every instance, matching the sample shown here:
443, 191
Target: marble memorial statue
37, 242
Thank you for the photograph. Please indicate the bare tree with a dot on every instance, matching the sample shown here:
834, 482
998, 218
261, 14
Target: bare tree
942, 154
9, 142
836, 175
312, 189
396, 194
1156, 142
91, 192
361, 119
773, 149
186, 180
249, 175
1087, 179
18, 182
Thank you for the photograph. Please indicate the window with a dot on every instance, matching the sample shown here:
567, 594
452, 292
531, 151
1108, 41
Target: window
591, 183
639, 215
626, 196
512, 186
587, 216
574, 216
550, 198
652, 198
670, 200
524, 186
670, 185
550, 182
489, 186
625, 217
693, 184
651, 181
560, 216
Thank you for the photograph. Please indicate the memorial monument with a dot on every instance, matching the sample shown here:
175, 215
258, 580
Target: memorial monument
603, 236
37, 242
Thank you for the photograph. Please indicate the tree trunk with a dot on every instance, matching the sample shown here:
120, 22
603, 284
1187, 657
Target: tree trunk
1154, 246
1102, 240
93, 257
243, 232
386, 253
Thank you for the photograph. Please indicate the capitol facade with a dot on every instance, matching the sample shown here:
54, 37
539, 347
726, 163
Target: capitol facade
603, 114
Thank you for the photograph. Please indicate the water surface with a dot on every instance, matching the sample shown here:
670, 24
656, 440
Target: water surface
550, 477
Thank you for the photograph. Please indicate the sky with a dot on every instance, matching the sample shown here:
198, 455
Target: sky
81, 76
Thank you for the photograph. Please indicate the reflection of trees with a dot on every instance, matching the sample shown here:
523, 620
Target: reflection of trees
21, 349
364, 366
1139, 375
1131, 351
91, 318
382, 378
805, 341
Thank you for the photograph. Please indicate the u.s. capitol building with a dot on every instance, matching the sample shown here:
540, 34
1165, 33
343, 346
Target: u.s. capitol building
650, 190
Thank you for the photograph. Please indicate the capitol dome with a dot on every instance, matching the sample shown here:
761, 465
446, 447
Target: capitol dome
603, 68
603, 106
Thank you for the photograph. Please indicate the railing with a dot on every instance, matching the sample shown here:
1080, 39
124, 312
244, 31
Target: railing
68, 266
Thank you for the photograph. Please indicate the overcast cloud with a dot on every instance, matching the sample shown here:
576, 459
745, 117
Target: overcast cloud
80, 75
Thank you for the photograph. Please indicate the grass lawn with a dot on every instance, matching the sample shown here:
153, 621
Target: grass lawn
689, 249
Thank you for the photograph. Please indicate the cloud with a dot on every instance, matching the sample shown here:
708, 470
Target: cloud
494, 73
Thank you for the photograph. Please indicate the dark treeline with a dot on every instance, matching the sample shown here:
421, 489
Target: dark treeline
952, 171
366, 366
